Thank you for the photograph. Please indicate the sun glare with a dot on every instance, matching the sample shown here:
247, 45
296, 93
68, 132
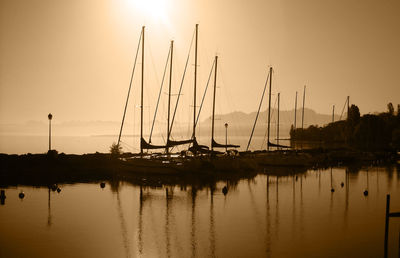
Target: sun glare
153, 9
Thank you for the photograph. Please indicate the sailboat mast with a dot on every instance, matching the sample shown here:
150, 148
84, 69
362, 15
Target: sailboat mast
333, 113
295, 111
169, 94
302, 113
277, 124
269, 104
348, 106
195, 82
141, 95
213, 110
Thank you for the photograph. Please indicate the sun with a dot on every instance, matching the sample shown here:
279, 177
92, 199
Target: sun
154, 9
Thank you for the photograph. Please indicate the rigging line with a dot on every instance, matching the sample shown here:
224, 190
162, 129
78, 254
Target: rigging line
273, 110
159, 95
129, 90
259, 107
204, 95
263, 141
343, 109
266, 131
180, 88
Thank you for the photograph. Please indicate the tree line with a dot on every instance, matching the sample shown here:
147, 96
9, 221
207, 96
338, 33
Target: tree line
370, 132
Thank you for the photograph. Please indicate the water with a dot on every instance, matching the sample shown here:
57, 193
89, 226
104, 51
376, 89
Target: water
22, 144
293, 215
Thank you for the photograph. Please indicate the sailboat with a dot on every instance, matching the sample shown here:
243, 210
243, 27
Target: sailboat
269, 143
214, 144
147, 163
172, 143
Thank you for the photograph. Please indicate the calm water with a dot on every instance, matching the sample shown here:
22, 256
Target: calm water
22, 144
267, 216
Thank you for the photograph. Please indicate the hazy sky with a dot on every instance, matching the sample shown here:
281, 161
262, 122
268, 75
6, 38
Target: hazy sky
74, 58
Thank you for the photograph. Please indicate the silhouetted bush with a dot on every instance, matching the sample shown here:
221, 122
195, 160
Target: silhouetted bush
115, 150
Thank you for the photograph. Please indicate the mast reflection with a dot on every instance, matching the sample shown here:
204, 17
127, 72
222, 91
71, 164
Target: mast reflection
124, 231
193, 224
167, 230
268, 223
212, 223
140, 231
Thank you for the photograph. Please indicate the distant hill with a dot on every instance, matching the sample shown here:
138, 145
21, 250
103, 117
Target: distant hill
244, 122
240, 123
286, 117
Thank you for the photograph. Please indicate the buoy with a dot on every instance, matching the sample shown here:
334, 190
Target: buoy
332, 190
21, 195
342, 184
366, 193
58, 189
225, 190
102, 184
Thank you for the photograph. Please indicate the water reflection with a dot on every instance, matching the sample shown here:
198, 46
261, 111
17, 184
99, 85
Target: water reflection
2, 197
49, 209
140, 231
167, 229
212, 223
124, 230
268, 223
259, 216
193, 224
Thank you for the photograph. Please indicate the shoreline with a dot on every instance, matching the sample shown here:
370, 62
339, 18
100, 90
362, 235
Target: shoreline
48, 169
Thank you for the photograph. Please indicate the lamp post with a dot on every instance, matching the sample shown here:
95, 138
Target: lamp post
226, 137
50, 116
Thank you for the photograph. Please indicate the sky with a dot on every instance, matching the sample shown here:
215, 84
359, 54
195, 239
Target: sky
74, 58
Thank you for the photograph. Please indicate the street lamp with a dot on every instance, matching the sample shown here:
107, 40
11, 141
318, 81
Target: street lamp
50, 116
226, 137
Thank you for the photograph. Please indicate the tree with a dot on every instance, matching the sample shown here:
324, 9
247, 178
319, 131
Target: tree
398, 110
115, 150
354, 114
390, 108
